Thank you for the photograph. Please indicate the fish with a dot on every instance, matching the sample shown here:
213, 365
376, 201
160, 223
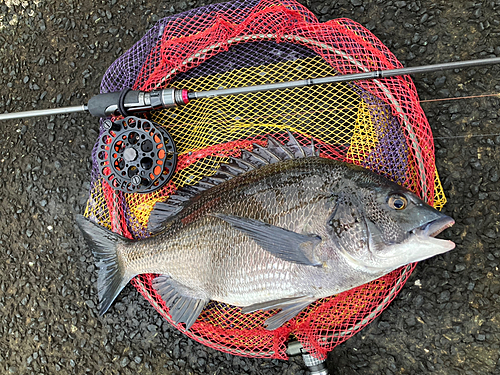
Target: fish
277, 228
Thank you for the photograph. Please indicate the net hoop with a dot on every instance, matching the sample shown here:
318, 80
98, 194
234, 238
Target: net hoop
128, 214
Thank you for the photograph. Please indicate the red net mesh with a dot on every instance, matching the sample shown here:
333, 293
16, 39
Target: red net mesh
378, 124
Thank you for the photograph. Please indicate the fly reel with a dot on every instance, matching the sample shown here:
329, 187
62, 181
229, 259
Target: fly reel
135, 156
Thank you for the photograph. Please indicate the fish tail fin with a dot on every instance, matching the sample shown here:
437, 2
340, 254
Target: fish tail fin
112, 275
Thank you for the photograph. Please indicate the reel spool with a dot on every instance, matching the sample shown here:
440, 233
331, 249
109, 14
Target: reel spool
135, 156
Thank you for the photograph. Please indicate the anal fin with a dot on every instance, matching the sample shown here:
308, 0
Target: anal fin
290, 308
184, 303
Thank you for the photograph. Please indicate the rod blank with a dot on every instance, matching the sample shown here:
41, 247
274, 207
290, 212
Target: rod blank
344, 78
43, 112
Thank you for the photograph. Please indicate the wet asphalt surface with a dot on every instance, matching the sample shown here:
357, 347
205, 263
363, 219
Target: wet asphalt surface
446, 320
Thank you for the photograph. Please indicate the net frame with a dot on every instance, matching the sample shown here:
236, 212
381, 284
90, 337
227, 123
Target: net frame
159, 42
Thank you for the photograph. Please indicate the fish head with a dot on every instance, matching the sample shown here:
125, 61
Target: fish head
383, 226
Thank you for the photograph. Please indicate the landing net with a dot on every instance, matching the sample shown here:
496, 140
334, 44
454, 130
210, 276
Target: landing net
377, 124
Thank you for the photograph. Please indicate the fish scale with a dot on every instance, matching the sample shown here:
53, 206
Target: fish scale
278, 229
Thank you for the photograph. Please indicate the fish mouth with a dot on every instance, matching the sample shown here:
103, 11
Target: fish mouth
420, 244
431, 229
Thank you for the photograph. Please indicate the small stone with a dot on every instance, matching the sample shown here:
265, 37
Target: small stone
382, 325
475, 276
439, 82
459, 267
176, 352
418, 301
411, 321
120, 336
371, 26
324, 10
124, 362
444, 93
444, 296
152, 328
137, 359
454, 108
490, 233
494, 175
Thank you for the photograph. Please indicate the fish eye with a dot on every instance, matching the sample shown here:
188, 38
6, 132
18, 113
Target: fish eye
397, 202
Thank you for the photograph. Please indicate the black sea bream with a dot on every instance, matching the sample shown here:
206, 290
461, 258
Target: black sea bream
277, 228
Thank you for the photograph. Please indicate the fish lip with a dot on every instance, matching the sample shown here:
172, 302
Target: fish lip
434, 227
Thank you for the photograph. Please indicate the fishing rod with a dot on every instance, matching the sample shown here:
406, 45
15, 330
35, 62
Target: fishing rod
130, 102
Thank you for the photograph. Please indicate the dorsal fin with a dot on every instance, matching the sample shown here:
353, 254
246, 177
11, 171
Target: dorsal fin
242, 164
225, 172
311, 150
278, 149
297, 149
273, 152
253, 158
265, 153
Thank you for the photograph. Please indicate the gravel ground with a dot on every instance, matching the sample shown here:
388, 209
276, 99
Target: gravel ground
446, 320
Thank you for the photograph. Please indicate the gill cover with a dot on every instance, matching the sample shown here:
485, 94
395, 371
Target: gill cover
347, 224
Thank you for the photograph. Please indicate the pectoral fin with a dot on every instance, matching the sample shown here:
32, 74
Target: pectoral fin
185, 304
282, 243
290, 308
